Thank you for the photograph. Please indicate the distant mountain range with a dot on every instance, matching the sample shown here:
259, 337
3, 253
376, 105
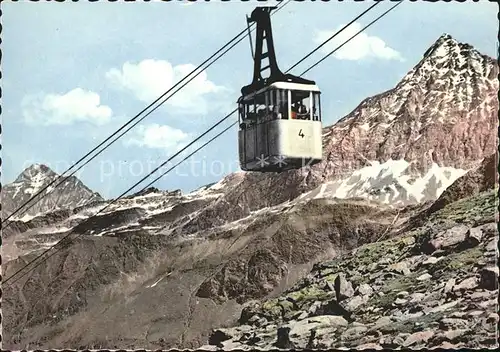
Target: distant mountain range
72, 193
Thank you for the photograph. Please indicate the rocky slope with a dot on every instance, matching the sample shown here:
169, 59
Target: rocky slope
169, 290
72, 193
433, 286
160, 269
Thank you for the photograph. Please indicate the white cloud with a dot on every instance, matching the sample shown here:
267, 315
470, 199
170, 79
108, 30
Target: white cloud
78, 105
360, 47
149, 79
157, 136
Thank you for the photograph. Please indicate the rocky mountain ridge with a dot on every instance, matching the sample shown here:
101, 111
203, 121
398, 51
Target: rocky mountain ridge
71, 194
417, 138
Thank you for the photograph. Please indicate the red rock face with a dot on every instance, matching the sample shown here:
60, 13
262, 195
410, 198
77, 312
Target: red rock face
444, 111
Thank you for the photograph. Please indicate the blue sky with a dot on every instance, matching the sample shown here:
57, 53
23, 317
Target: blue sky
73, 73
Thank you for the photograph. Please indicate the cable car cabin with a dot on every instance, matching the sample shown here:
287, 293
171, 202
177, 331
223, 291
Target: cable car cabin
279, 116
280, 127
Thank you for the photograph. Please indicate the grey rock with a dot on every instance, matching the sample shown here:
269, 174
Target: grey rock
489, 230
418, 314
449, 285
355, 302
310, 343
449, 346
492, 318
489, 278
416, 297
418, 338
314, 307
488, 304
474, 237
492, 245
400, 301
424, 277
365, 289
444, 307
333, 307
398, 340
447, 239
261, 322
370, 346
401, 268
253, 320
343, 288
480, 295
454, 335
356, 330
453, 323
381, 322
331, 320
431, 260
302, 315
475, 313
467, 284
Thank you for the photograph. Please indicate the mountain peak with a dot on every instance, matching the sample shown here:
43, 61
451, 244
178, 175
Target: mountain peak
442, 46
448, 48
35, 179
448, 65
35, 171
37, 167
425, 118
446, 37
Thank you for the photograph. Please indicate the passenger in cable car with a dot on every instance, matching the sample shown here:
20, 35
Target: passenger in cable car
261, 113
302, 111
302, 108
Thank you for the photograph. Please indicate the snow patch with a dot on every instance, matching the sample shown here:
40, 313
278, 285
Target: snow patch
17, 186
56, 231
388, 182
161, 278
26, 217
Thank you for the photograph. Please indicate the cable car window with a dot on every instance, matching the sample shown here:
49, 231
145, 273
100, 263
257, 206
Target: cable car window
273, 104
250, 110
283, 103
260, 107
241, 114
316, 107
268, 113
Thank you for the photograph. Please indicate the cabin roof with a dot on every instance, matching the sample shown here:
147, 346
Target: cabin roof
283, 85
